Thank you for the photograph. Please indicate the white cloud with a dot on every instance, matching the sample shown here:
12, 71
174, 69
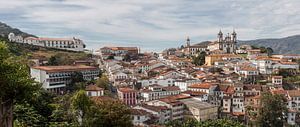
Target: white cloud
160, 23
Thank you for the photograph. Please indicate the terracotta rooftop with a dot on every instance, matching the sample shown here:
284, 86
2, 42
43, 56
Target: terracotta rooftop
288, 63
277, 77
93, 88
194, 93
154, 108
120, 48
171, 88
126, 90
205, 85
65, 68
55, 39
279, 91
139, 112
294, 93
174, 99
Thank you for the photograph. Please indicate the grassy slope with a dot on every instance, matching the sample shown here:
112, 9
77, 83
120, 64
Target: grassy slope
42, 53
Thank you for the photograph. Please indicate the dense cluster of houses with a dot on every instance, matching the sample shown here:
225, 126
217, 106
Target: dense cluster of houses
167, 86
232, 79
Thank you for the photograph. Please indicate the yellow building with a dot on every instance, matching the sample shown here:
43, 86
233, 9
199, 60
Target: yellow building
211, 59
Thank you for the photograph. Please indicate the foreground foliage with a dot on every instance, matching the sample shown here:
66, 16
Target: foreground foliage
208, 123
273, 112
15, 83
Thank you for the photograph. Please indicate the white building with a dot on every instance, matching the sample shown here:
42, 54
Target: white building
154, 92
163, 113
293, 105
238, 99
94, 91
55, 78
73, 44
264, 65
139, 117
199, 110
177, 107
162, 82
277, 81
203, 87
286, 65
184, 83
13, 38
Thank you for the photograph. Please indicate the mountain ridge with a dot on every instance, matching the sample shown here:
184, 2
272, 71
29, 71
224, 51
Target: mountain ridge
6, 29
285, 45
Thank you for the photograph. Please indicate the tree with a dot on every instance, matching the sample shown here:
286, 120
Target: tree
199, 59
80, 103
127, 58
76, 77
109, 113
26, 115
273, 112
53, 61
35, 111
208, 123
103, 82
15, 83
110, 57
269, 51
63, 115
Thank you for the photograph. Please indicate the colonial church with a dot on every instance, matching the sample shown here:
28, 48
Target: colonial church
224, 45
227, 44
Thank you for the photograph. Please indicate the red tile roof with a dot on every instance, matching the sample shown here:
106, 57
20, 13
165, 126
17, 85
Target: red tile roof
201, 85
93, 88
65, 68
139, 112
171, 88
126, 90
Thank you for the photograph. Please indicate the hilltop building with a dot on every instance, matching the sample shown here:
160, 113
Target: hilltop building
225, 45
73, 44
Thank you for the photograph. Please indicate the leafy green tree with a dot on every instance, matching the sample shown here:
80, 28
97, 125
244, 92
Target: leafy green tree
35, 111
273, 112
127, 58
110, 57
108, 113
76, 77
62, 114
199, 59
15, 83
26, 115
269, 51
81, 104
208, 123
53, 61
103, 82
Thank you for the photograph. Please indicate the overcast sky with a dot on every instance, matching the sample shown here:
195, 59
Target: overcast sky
152, 24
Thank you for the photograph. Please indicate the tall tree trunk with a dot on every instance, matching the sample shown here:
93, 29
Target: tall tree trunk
6, 113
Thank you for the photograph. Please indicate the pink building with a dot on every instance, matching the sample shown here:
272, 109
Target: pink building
128, 96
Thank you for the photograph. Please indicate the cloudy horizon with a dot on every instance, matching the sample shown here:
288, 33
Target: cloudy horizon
154, 25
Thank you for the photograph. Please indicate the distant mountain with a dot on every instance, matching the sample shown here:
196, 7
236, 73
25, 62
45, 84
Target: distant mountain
287, 45
6, 29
